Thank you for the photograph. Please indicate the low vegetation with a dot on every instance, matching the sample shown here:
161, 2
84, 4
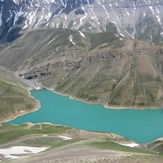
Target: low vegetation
82, 145
14, 98
12, 133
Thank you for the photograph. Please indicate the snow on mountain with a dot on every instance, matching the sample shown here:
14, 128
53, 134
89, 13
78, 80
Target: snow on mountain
140, 19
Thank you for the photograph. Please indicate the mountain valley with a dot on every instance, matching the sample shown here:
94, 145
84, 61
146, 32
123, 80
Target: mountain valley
107, 52
97, 67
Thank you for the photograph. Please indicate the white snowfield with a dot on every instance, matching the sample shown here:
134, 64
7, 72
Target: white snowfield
64, 137
130, 145
82, 34
19, 150
37, 88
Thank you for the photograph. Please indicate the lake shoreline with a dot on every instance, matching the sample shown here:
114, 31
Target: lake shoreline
94, 115
104, 105
34, 85
36, 108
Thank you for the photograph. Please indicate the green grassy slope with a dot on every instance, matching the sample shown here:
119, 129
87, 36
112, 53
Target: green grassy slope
84, 146
14, 98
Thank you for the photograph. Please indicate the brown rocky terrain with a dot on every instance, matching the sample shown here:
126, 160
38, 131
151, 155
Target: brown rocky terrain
101, 67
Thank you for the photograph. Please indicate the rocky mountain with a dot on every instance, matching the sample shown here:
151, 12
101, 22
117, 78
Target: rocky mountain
139, 19
94, 67
95, 50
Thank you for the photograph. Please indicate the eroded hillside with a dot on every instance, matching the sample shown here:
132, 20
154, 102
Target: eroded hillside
98, 67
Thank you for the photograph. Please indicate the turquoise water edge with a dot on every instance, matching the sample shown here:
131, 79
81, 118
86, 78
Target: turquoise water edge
141, 126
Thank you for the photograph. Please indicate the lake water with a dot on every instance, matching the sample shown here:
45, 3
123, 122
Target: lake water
141, 126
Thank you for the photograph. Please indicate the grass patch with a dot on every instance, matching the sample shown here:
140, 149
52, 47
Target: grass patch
10, 133
53, 142
107, 145
14, 98
98, 39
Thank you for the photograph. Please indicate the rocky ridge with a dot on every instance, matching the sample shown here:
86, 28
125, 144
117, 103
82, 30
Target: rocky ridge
136, 19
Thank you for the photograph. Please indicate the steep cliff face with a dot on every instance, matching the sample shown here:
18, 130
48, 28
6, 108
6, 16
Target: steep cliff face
140, 19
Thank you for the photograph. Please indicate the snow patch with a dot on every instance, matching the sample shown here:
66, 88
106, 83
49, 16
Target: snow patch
37, 88
150, 7
20, 150
132, 145
64, 137
158, 19
106, 12
17, 15
71, 40
122, 35
85, 15
82, 34
161, 34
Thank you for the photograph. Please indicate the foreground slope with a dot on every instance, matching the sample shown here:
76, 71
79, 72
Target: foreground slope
98, 67
70, 145
15, 99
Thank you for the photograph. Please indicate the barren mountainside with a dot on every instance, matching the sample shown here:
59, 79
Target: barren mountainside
96, 50
102, 68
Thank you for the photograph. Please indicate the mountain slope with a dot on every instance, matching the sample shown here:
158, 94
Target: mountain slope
126, 75
98, 67
15, 99
137, 19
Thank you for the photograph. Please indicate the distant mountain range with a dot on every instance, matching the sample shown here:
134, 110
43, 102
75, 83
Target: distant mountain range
139, 19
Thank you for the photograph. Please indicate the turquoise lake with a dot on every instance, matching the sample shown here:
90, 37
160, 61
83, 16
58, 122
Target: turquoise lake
141, 126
